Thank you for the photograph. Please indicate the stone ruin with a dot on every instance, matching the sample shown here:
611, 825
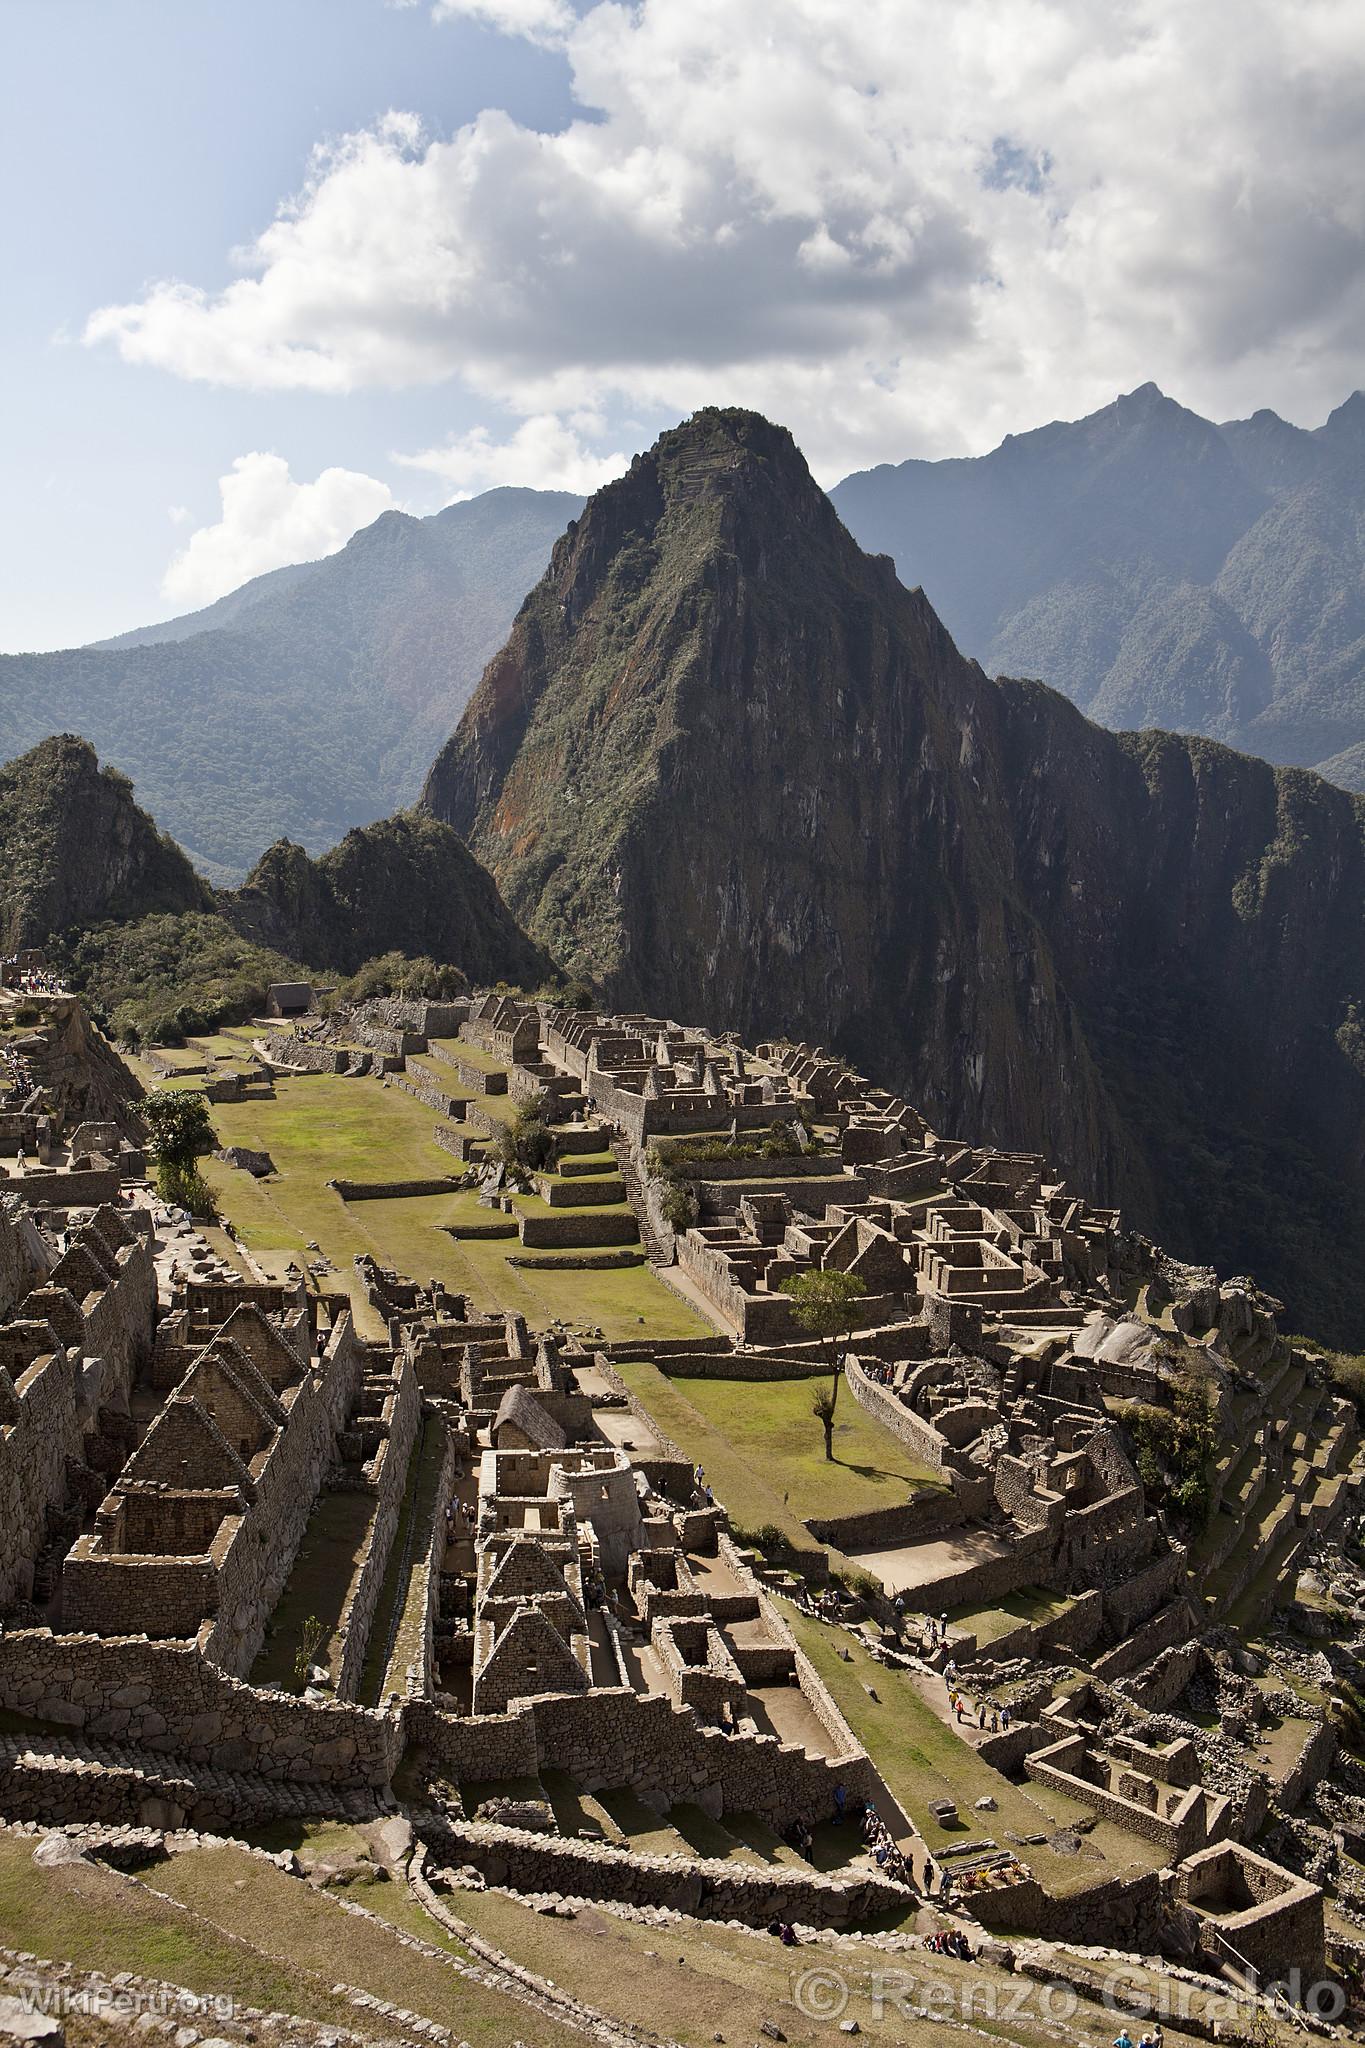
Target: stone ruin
572, 1610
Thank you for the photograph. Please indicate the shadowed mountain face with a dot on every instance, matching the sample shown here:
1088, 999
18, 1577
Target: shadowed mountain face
75, 849
311, 699
729, 765
1159, 569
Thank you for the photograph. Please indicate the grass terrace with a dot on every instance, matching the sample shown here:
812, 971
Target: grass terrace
320, 1127
307, 1935
769, 1423
1030, 1604
921, 1758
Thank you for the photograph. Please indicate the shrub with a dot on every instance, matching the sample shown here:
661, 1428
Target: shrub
680, 1206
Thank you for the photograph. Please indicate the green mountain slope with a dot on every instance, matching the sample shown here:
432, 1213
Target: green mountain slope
76, 850
85, 874
729, 765
310, 700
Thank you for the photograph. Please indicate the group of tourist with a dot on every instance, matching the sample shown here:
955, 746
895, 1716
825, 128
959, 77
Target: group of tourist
986, 1715
950, 1941
702, 1496
880, 1374
16, 1075
1151, 2039
30, 981
882, 1843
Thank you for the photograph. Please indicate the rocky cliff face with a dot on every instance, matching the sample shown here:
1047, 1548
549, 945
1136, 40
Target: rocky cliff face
729, 766
75, 849
406, 885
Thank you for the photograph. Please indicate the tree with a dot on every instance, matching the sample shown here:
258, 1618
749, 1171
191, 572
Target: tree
825, 1303
822, 1407
179, 1127
178, 1130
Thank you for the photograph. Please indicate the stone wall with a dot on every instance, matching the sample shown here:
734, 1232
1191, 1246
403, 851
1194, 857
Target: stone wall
392, 1190
390, 1482
743, 1365
169, 1698
697, 1886
1310, 1765
923, 1514
571, 1228
612, 1738
1166, 1677
253, 1575
919, 1437
1120, 1913
41, 1433
418, 1083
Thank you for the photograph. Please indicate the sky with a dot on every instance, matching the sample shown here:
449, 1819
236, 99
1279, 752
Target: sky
273, 266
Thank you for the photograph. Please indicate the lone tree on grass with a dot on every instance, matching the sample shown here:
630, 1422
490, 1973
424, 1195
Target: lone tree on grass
178, 1130
825, 1303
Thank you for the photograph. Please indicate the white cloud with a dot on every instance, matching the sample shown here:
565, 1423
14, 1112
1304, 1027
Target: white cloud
909, 225
538, 20
268, 520
546, 453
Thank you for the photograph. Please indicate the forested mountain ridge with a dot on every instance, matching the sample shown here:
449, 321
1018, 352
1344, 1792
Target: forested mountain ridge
86, 876
311, 699
726, 762
1160, 569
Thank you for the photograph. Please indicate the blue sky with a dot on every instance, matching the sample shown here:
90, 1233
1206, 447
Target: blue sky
272, 267
149, 139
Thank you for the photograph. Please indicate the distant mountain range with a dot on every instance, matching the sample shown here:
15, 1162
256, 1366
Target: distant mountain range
1161, 570
311, 699
728, 766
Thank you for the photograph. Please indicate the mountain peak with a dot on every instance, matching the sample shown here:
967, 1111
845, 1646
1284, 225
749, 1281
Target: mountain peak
1346, 424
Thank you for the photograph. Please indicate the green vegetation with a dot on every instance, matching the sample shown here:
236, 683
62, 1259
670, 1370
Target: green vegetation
169, 977
771, 1470
395, 974
825, 1304
320, 1127
524, 1141
179, 1130
779, 1141
1177, 1447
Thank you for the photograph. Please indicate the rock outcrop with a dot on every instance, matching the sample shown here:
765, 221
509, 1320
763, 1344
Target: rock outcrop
407, 884
727, 763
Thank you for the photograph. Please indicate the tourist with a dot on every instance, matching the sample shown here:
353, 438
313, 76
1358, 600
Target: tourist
1123, 2039
840, 1804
